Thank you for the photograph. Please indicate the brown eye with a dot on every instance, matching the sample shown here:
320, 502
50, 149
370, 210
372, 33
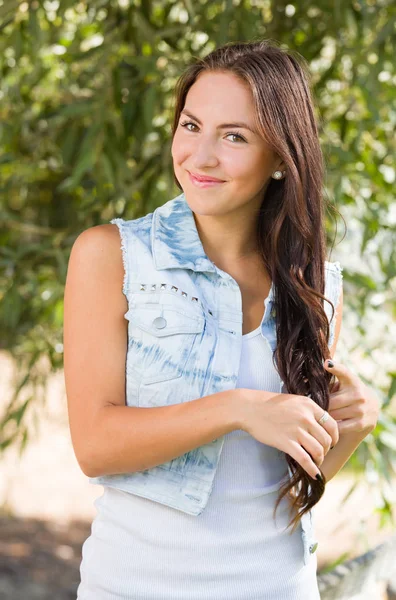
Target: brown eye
187, 123
237, 135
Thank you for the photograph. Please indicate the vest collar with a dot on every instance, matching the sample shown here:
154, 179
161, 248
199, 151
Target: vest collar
175, 242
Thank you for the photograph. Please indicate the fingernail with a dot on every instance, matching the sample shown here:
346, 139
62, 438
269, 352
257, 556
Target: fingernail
330, 364
319, 477
331, 447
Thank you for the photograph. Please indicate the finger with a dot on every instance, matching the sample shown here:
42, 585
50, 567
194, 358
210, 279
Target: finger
300, 455
314, 447
330, 426
322, 437
334, 387
347, 412
336, 394
345, 375
341, 399
350, 426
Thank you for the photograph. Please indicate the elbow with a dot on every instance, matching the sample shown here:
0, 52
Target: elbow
87, 449
94, 464
87, 460
88, 466
89, 469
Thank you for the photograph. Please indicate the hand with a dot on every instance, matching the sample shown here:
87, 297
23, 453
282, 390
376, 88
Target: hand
289, 422
352, 403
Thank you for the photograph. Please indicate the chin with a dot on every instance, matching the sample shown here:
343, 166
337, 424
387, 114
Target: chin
205, 206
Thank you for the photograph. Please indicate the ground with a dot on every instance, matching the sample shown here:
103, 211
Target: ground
40, 560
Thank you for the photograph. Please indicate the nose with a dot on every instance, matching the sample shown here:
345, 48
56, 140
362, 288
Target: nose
204, 154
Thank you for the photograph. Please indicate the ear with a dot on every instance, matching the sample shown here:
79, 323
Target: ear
281, 167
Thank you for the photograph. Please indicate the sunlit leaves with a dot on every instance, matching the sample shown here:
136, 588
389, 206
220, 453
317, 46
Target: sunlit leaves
86, 100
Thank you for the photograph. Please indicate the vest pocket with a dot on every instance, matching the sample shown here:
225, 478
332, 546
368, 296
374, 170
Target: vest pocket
160, 341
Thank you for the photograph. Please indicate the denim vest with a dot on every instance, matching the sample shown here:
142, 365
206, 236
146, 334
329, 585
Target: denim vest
184, 342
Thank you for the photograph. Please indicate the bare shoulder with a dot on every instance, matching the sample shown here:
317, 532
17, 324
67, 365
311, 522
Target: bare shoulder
100, 241
96, 266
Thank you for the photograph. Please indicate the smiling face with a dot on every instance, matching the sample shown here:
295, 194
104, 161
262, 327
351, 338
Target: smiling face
205, 145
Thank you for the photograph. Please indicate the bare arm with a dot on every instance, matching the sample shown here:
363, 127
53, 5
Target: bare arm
348, 442
108, 436
128, 438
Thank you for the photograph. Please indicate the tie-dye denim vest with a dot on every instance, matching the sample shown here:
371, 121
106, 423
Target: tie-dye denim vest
184, 342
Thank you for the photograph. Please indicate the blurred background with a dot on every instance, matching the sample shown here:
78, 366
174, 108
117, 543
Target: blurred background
86, 105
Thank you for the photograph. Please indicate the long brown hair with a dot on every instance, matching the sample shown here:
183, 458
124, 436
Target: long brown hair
290, 227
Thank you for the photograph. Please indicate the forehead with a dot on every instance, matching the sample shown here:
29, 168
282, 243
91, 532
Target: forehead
220, 91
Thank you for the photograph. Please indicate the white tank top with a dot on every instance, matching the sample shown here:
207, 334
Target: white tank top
143, 550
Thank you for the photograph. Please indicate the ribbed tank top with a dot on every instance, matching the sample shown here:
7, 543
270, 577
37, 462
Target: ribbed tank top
143, 550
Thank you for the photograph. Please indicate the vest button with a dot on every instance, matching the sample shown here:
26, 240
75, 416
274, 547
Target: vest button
313, 547
159, 323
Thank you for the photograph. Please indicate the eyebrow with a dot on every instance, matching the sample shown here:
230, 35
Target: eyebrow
223, 125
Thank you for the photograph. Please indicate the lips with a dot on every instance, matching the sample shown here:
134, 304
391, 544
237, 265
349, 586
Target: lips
206, 179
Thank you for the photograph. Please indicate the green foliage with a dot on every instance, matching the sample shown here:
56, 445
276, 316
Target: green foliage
86, 104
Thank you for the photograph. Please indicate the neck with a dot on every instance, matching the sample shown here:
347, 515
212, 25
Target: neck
227, 241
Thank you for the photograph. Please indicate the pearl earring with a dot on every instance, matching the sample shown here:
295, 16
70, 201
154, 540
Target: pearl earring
278, 174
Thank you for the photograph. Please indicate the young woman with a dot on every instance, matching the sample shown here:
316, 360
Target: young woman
197, 386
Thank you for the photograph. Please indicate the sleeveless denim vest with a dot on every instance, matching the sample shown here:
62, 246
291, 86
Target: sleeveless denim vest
184, 342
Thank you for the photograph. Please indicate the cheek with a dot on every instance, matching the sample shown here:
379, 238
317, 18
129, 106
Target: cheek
180, 149
174, 147
263, 166
248, 167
